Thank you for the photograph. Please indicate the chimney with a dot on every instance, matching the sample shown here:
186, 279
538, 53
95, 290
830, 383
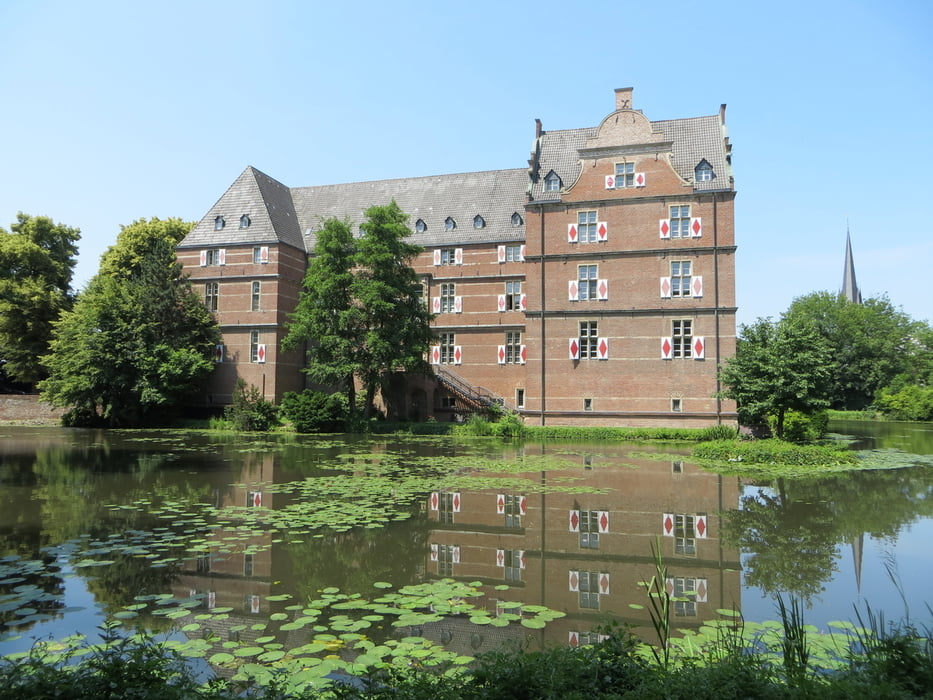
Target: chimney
624, 98
537, 128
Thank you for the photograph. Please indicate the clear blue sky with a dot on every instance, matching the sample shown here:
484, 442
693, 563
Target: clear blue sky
113, 111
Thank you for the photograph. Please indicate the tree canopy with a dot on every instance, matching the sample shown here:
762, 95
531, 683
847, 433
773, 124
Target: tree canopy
871, 343
138, 340
778, 367
37, 261
361, 310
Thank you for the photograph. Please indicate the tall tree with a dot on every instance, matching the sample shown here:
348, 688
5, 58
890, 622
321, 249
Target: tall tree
36, 265
870, 343
326, 317
778, 366
138, 340
395, 321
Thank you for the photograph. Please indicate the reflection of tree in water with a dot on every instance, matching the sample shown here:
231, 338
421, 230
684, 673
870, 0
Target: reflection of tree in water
790, 530
353, 561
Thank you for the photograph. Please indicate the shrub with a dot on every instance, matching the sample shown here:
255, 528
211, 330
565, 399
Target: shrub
508, 425
315, 411
249, 410
801, 427
773, 452
909, 403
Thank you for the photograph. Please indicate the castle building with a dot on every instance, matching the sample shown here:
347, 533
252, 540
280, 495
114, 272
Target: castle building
596, 286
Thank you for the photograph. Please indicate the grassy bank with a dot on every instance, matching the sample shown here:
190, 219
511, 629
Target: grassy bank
768, 452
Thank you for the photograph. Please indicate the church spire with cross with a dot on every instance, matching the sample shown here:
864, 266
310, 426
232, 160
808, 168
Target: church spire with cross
850, 288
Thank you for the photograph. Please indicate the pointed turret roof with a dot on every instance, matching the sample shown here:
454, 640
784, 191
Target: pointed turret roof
850, 288
267, 205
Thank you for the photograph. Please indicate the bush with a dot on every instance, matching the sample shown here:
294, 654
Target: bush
315, 411
249, 410
912, 402
801, 427
773, 452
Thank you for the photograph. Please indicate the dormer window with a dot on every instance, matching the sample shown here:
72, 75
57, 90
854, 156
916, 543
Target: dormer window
479, 222
219, 223
449, 224
420, 226
245, 221
704, 171
517, 219
552, 182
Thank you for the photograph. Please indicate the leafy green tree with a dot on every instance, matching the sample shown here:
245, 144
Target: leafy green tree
778, 366
396, 323
326, 317
138, 341
870, 343
249, 410
36, 265
361, 310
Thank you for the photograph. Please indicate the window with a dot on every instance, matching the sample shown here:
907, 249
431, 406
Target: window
680, 278
677, 466
479, 222
449, 224
213, 256
245, 221
587, 404
682, 337
211, 295
254, 346
219, 223
520, 398
625, 175
589, 590
513, 295
423, 291
448, 402
586, 227
586, 281
445, 560
248, 564
420, 226
685, 535
589, 332
203, 563
552, 182
677, 406
447, 348
513, 510
448, 256
589, 529
261, 254
448, 290
517, 219
704, 171
445, 507
513, 253
513, 564
254, 301
513, 347
680, 221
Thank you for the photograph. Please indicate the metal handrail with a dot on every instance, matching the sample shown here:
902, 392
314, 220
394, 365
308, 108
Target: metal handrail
478, 394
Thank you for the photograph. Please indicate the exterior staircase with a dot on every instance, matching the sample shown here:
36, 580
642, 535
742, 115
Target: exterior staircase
474, 398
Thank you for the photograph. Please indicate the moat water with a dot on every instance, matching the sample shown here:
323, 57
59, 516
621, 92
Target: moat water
178, 531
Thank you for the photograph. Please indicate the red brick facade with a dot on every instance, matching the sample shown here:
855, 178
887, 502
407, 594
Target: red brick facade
595, 288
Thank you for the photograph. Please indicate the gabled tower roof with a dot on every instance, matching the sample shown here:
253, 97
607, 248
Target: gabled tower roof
850, 288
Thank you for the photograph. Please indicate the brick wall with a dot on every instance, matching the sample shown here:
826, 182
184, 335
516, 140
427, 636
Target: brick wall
26, 408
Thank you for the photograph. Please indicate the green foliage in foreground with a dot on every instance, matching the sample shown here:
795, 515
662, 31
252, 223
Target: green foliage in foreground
249, 410
890, 664
774, 452
557, 432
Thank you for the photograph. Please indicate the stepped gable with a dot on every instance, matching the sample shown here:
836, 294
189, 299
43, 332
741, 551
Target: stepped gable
267, 203
494, 195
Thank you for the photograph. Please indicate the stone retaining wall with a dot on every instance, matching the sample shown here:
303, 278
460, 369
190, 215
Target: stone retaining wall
26, 408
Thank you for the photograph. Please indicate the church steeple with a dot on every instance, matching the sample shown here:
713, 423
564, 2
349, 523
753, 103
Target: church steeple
850, 288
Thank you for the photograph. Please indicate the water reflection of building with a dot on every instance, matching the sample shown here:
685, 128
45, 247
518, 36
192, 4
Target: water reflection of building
588, 554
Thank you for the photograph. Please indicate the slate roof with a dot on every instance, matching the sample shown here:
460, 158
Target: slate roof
694, 139
494, 195
267, 203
